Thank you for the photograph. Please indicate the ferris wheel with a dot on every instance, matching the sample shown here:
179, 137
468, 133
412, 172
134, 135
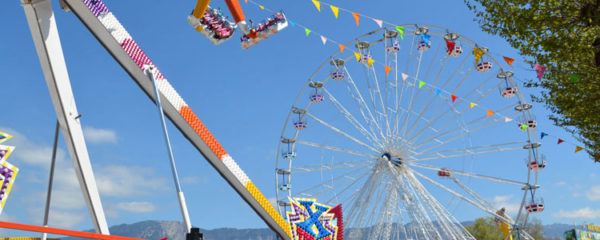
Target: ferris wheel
410, 128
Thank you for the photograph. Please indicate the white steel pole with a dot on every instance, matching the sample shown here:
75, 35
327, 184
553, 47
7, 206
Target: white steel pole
184, 211
44, 32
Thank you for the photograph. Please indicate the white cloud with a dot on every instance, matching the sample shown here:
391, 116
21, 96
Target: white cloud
98, 135
512, 208
560, 184
128, 181
32, 153
583, 213
594, 193
136, 207
65, 219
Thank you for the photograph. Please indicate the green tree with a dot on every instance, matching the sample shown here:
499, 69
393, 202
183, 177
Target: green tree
564, 36
485, 228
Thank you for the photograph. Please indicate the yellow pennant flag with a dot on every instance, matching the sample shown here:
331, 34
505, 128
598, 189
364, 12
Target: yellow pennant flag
578, 148
246, 1
342, 47
261, 7
370, 61
335, 10
317, 4
478, 53
387, 69
473, 105
357, 56
490, 113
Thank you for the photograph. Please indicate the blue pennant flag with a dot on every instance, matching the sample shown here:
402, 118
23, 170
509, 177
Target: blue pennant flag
292, 23
437, 91
425, 38
543, 135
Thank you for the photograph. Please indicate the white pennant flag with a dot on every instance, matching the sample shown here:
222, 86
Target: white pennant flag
404, 76
506, 119
323, 39
379, 22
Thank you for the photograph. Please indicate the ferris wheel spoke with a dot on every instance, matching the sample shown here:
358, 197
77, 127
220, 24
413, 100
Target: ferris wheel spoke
331, 166
469, 151
417, 136
490, 211
473, 194
341, 132
331, 148
412, 95
349, 186
383, 105
351, 119
442, 87
441, 143
362, 105
464, 127
468, 174
346, 175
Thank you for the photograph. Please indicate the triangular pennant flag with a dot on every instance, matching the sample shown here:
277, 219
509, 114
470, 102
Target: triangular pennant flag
578, 148
357, 55
335, 10
509, 61
478, 53
4, 136
246, 1
379, 22
574, 77
450, 45
425, 38
560, 141
437, 91
543, 134
317, 4
342, 47
323, 39
307, 31
524, 127
540, 70
473, 105
400, 31
356, 17
261, 7
293, 24
454, 97
507, 119
421, 84
370, 61
404, 76
490, 113
387, 70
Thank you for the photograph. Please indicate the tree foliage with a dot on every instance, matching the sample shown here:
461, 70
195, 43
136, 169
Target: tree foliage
485, 228
564, 36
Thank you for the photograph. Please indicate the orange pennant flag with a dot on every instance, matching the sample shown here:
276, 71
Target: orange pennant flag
356, 17
490, 113
246, 1
509, 61
578, 148
387, 69
342, 47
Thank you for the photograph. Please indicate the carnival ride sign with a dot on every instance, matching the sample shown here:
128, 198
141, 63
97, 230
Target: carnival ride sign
8, 172
310, 220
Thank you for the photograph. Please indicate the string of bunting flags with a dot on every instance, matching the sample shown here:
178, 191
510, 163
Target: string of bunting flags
539, 69
560, 141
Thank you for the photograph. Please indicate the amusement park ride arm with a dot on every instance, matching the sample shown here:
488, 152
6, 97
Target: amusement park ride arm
42, 24
112, 35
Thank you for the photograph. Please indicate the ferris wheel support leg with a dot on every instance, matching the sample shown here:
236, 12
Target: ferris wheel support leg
44, 32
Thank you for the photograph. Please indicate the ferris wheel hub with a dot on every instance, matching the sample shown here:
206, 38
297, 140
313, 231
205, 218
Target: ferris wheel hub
397, 161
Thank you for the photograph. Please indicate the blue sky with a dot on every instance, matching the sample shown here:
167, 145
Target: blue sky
243, 96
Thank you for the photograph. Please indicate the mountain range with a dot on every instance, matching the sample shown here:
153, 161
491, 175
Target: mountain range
154, 230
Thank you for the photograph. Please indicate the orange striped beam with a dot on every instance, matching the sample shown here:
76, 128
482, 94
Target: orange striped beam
65, 232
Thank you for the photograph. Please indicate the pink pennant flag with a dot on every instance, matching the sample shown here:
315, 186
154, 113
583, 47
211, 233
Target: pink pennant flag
507, 119
323, 39
379, 22
540, 71
404, 76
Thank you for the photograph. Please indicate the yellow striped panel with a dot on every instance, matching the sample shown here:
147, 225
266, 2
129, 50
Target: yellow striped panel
265, 204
